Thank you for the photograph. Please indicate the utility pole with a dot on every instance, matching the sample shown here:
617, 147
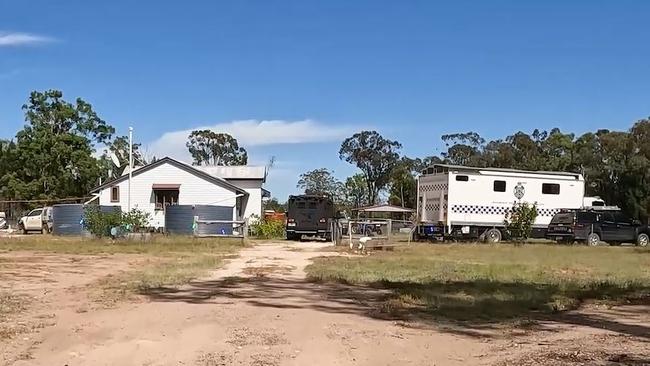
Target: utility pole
128, 201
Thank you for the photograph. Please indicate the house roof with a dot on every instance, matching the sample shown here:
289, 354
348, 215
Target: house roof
383, 208
235, 172
509, 170
188, 168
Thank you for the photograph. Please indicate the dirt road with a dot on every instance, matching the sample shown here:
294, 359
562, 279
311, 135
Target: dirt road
260, 310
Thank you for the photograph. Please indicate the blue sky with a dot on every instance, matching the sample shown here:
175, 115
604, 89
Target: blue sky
321, 70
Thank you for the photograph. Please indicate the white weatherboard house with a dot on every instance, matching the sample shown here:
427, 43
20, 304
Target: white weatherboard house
171, 182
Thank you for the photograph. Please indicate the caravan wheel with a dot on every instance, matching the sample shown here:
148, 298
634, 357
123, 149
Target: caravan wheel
493, 236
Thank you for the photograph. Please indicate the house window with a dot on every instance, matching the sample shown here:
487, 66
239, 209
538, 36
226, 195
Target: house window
115, 194
499, 185
165, 198
550, 188
462, 178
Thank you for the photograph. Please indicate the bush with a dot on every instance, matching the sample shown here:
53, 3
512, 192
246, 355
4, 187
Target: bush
100, 223
519, 220
267, 229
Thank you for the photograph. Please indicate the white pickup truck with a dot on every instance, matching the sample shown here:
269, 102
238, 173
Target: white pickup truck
39, 219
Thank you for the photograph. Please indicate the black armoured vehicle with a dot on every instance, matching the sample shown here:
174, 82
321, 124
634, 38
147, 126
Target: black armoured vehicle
310, 215
595, 225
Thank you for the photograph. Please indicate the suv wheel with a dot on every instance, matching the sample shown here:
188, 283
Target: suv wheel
45, 229
493, 236
593, 240
643, 240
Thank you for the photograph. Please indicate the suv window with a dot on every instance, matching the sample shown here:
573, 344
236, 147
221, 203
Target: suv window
35, 213
607, 216
620, 217
585, 217
563, 218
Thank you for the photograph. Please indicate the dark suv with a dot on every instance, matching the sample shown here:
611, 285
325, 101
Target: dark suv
592, 226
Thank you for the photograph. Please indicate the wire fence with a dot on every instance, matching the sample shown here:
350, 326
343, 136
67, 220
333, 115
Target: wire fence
14, 209
370, 233
220, 228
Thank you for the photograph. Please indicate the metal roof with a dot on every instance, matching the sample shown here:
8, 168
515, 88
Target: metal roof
383, 208
508, 170
188, 168
235, 172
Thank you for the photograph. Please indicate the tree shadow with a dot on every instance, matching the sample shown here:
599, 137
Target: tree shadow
466, 308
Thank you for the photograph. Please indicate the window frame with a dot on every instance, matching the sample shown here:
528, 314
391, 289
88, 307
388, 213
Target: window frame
160, 206
115, 197
494, 185
551, 192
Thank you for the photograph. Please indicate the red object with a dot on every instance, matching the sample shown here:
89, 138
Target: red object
275, 216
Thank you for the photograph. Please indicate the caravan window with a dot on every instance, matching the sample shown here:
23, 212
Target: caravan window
499, 185
550, 188
462, 178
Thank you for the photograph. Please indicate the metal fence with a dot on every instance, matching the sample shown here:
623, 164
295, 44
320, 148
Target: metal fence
370, 233
220, 228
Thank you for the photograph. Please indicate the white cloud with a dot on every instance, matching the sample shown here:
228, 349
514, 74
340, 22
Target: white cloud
8, 39
250, 133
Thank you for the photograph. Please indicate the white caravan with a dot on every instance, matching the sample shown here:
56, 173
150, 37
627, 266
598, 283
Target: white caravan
467, 202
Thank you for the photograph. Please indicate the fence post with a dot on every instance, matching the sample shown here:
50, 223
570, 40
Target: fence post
350, 233
390, 231
195, 225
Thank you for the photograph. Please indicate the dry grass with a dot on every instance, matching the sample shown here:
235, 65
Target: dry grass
263, 271
170, 261
160, 245
474, 282
10, 304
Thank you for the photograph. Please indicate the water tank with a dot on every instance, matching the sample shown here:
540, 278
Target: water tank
179, 219
67, 219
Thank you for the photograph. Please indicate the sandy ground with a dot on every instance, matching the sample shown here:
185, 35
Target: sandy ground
259, 310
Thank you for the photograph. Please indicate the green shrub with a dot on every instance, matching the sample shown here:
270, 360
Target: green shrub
100, 223
267, 229
519, 220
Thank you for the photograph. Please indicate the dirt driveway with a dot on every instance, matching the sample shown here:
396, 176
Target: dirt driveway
260, 310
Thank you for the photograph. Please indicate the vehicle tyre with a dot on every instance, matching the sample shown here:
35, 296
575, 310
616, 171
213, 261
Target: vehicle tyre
643, 240
593, 240
22, 229
45, 229
493, 236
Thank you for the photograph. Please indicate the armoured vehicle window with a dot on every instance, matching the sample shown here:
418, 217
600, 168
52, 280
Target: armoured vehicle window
462, 178
499, 185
